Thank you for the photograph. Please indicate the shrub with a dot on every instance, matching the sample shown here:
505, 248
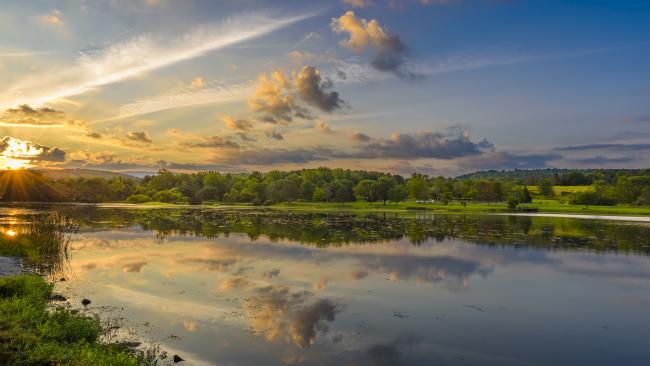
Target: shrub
138, 198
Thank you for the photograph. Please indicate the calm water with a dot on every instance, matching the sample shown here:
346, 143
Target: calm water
255, 287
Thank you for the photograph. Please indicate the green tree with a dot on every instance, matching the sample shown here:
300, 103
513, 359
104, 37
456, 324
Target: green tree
366, 190
397, 193
384, 184
417, 188
546, 187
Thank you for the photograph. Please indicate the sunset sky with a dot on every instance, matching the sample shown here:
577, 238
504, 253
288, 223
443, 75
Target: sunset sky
442, 87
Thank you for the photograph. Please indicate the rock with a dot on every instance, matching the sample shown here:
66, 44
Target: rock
85, 302
178, 358
62, 279
58, 297
130, 344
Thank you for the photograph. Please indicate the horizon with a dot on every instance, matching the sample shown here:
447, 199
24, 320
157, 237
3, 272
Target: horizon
442, 88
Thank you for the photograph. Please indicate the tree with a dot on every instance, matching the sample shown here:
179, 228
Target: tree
343, 191
384, 184
417, 188
546, 187
644, 197
367, 190
397, 193
319, 195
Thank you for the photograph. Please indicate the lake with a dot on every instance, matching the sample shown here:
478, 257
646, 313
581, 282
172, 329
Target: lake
264, 287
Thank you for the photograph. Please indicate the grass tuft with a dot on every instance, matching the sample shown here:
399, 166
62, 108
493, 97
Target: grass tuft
32, 335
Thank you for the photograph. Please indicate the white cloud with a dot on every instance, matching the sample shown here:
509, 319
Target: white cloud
137, 56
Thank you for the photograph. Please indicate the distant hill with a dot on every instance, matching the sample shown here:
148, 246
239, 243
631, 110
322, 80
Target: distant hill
55, 174
544, 173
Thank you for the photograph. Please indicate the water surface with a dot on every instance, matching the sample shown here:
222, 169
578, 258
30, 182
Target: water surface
262, 287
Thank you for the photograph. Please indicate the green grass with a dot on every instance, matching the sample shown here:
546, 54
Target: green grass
544, 206
32, 335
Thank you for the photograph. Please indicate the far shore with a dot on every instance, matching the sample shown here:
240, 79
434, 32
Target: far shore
539, 208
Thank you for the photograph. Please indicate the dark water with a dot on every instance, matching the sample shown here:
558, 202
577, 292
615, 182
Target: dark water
252, 287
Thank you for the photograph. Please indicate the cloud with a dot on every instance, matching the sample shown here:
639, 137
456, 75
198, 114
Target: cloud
273, 134
94, 135
12, 148
237, 124
27, 116
233, 283
359, 3
265, 156
324, 127
213, 142
197, 82
278, 96
273, 97
361, 137
613, 147
299, 57
389, 51
53, 18
276, 311
184, 97
424, 145
139, 136
137, 56
601, 160
313, 90
503, 160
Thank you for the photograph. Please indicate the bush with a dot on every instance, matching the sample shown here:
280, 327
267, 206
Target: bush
591, 198
138, 198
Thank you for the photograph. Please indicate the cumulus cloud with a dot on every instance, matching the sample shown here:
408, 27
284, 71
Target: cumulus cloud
313, 90
241, 124
277, 312
12, 148
507, 160
389, 51
281, 98
274, 98
139, 136
94, 135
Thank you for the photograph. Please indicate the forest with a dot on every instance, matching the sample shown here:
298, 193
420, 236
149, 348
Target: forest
631, 187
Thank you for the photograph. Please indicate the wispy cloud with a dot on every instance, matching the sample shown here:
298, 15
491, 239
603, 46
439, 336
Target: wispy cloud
137, 56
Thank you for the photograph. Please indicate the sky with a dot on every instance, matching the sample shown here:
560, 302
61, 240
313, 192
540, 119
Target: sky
442, 87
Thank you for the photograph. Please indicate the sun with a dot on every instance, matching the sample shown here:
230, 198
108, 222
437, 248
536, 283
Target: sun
17, 154
13, 164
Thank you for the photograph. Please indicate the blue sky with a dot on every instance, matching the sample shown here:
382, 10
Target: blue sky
442, 87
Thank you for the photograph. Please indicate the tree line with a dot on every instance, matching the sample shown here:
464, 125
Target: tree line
323, 185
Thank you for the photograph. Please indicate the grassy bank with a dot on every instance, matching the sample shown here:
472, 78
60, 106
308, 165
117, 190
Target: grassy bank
542, 205
545, 206
32, 335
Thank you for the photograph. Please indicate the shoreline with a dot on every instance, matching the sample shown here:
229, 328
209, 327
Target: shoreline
545, 209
